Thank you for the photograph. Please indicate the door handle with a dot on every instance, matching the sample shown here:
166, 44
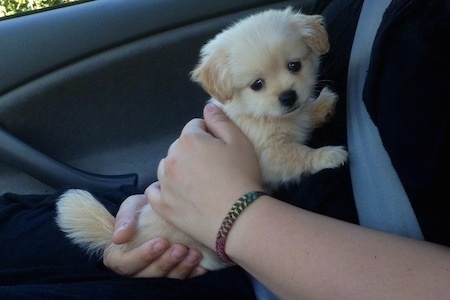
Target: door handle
54, 173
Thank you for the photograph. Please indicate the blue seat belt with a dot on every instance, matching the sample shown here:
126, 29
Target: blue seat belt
381, 200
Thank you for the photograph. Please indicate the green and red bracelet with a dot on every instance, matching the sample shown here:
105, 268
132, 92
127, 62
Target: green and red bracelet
232, 215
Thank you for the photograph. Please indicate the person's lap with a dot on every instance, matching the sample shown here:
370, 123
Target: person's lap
38, 261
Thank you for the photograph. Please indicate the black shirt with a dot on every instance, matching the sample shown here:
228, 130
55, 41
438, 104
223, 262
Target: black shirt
405, 95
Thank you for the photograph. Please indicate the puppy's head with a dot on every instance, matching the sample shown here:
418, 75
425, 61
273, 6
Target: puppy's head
264, 65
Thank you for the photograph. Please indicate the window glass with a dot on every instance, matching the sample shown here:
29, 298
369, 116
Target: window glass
14, 7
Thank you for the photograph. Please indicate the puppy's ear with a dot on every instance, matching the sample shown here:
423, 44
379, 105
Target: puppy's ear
213, 74
316, 36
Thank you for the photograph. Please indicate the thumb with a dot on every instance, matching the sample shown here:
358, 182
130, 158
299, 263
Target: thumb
219, 125
126, 219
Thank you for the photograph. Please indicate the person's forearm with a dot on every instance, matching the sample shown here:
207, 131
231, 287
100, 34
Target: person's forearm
299, 254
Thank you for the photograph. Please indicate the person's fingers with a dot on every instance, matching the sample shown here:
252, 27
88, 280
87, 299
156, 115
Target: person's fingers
153, 192
219, 125
188, 267
198, 271
172, 146
194, 125
156, 259
160, 170
163, 265
133, 262
126, 219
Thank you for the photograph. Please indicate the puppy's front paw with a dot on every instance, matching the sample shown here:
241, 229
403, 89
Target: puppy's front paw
330, 157
323, 106
328, 97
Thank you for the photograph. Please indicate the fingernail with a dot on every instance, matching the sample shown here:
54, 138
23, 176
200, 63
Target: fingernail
158, 247
193, 260
176, 254
211, 107
198, 271
122, 227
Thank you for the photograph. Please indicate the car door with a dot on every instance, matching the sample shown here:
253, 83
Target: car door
92, 94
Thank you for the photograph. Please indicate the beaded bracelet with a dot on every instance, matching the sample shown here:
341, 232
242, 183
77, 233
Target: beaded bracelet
232, 215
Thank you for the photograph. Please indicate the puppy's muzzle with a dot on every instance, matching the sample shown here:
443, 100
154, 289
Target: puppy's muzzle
288, 100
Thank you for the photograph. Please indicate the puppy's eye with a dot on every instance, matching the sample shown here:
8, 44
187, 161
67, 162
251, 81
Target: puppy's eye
294, 66
257, 85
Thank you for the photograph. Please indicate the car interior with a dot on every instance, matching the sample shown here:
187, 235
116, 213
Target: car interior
93, 94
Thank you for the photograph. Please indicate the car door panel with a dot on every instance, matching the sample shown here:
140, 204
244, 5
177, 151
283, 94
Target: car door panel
102, 92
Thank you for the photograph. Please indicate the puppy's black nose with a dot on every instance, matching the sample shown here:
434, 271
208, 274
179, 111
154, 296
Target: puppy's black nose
288, 98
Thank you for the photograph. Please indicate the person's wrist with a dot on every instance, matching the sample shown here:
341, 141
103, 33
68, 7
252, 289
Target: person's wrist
248, 229
235, 211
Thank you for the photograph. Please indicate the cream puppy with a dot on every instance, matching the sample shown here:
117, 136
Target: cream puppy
261, 71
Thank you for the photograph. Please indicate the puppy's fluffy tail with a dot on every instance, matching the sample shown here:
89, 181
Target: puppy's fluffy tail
85, 220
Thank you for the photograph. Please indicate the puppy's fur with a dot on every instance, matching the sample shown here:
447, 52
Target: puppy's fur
261, 72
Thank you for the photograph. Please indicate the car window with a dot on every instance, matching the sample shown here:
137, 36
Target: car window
20, 7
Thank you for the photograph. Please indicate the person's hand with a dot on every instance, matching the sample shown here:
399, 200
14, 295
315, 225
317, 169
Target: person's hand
206, 170
155, 258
